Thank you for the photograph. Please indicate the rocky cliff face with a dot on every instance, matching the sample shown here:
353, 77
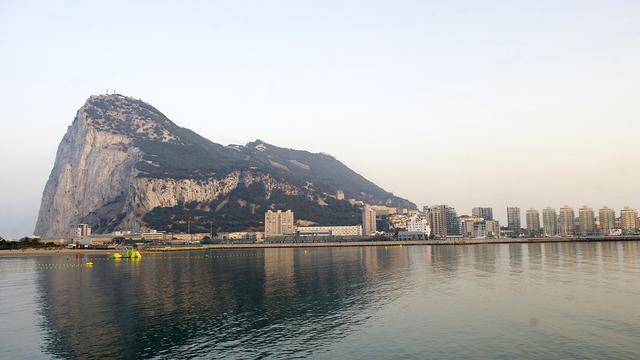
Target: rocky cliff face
123, 165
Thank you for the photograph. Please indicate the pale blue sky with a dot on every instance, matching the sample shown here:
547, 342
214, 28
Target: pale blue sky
528, 103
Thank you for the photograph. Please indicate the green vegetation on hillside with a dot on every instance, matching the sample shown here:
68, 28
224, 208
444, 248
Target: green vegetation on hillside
179, 161
244, 209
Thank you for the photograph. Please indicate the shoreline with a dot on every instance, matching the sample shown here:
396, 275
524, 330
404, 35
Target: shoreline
37, 252
456, 242
425, 242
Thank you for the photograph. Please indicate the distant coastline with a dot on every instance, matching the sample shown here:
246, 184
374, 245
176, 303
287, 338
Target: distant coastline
40, 252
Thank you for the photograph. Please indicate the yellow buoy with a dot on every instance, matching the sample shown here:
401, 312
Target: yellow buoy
89, 263
133, 254
116, 256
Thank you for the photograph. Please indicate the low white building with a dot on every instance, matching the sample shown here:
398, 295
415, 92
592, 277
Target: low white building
412, 235
477, 227
355, 230
415, 224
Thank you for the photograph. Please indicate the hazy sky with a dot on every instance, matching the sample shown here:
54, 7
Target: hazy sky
494, 103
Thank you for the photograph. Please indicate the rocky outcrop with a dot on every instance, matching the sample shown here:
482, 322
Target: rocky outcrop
150, 193
122, 159
92, 168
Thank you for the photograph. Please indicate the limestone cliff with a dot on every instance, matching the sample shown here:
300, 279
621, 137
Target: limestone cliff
123, 165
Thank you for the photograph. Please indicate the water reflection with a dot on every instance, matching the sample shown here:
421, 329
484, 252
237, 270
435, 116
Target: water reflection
326, 302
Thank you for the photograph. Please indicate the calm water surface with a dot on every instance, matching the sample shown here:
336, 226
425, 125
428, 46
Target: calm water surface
535, 301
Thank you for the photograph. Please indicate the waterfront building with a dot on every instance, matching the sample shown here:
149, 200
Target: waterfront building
80, 230
155, 235
453, 226
550, 221
513, 220
467, 224
368, 220
492, 229
477, 227
278, 223
533, 222
238, 237
472, 226
418, 224
344, 231
444, 221
586, 222
438, 220
100, 239
607, 220
628, 220
483, 212
412, 235
566, 221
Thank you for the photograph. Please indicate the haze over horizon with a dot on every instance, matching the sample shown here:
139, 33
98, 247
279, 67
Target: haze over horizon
531, 104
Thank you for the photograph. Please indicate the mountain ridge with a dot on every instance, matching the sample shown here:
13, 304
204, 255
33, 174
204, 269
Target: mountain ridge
124, 165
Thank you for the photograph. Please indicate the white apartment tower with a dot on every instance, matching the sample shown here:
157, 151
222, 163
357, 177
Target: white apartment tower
586, 220
533, 222
550, 221
628, 220
566, 221
278, 223
607, 219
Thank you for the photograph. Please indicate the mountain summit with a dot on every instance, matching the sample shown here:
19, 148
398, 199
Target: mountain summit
124, 165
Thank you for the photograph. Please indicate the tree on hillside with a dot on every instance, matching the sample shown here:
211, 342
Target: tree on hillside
1, 238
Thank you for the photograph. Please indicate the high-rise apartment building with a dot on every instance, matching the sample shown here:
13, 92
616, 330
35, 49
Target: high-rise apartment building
443, 220
550, 221
513, 220
80, 230
453, 225
278, 223
368, 220
566, 221
587, 222
607, 220
437, 216
533, 222
628, 220
483, 212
